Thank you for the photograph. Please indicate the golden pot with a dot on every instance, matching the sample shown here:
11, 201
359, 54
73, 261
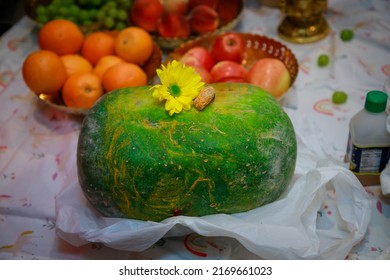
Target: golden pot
304, 21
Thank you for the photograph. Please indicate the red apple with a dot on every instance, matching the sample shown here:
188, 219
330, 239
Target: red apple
203, 19
146, 13
176, 6
228, 46
173, 25
271, 75
228, 10
228, 71
198, 56
210, 3
205, 74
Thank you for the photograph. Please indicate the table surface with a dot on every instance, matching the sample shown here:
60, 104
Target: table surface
38, 142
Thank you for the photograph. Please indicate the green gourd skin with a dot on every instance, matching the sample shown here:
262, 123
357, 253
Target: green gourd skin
135, 161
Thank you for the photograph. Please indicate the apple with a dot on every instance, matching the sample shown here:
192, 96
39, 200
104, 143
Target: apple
204, 74
228, 71
146, 13
173, 25
271, 75
228, 46
176, 6
227, 10
198, 56
211, 3
203, 19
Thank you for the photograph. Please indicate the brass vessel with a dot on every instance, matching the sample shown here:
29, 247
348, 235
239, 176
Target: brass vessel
304, 21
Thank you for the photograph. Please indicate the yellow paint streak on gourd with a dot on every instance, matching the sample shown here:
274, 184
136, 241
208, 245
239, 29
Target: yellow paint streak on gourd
269, 135
217, 129
113, 148
210, 189
171, 132
125, 204
125, 200
136, 193
134, 187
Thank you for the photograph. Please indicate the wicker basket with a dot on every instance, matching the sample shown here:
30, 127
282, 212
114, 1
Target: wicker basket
257, 47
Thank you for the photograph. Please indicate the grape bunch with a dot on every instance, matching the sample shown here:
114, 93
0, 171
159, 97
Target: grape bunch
112, 14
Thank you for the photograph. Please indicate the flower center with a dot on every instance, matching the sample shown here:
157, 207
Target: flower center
174, 90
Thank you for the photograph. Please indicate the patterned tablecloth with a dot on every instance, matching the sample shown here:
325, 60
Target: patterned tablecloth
38, 143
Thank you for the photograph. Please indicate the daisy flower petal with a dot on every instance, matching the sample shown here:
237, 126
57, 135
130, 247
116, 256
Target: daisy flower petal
179, 86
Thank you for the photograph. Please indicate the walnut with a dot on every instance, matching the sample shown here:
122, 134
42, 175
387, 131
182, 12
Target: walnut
206, 95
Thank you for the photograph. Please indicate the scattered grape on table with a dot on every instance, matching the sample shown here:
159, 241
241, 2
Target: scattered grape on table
323, 60
339, 97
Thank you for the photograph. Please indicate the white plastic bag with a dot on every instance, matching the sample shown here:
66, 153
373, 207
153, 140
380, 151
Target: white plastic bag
297, 226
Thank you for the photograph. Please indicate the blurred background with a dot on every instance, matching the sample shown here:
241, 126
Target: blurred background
10, 12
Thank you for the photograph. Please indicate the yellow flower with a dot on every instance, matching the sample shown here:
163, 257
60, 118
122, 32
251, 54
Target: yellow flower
180, 85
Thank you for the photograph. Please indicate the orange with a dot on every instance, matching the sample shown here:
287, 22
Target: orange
123, 75
82, 90
96, 45
112, 33
75, 63
44, 72
134, 44
61, 36
104, 63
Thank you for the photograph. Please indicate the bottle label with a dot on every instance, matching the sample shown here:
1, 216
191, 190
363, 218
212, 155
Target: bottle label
367, 160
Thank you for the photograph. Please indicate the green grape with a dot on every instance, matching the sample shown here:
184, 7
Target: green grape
339, 97
119, 2
74, 11
87, 22
72, 18
109, 22
110, 4
100, 15
56, 2
63, 11
83, 15
112, 12
42, 19
126, 4
67, 2
323, 60
346, 35
83, 2
40, 10
121, 15
96, 3
92, 14
120, 25
52, 9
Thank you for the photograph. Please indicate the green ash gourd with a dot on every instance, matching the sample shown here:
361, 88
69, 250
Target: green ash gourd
135, 161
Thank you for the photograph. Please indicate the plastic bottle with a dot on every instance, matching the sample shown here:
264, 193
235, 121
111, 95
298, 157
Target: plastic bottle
368, 148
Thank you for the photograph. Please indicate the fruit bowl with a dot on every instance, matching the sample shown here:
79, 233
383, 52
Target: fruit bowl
257, 47
230, 13
149, 67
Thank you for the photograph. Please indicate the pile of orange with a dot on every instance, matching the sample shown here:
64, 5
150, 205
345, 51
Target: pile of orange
83, 67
